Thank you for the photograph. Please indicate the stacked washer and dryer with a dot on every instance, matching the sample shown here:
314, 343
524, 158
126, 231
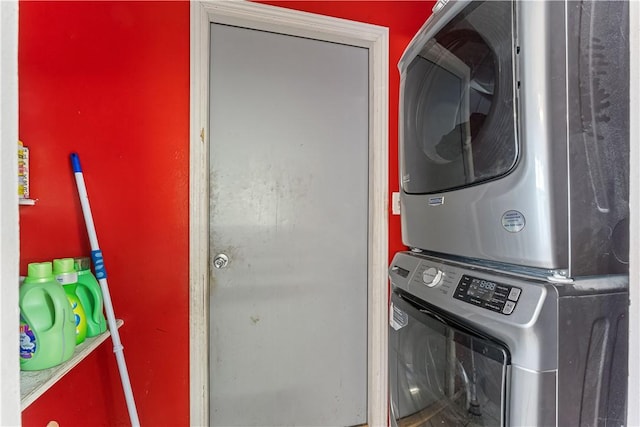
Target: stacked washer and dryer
510, 308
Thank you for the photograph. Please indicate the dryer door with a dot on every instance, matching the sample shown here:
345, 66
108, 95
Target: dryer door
457, 109
441, 373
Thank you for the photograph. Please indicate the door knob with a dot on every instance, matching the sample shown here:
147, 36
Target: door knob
220, 261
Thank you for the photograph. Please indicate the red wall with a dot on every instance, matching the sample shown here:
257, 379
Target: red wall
110, 80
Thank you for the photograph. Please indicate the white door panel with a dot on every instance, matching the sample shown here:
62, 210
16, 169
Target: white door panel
289, 207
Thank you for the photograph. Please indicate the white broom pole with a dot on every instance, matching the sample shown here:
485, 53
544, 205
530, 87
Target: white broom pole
101, 275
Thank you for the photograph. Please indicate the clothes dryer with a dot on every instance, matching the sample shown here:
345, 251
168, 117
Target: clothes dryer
514, 134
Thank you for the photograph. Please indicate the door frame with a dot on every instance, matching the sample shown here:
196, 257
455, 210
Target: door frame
9, 216
270, 18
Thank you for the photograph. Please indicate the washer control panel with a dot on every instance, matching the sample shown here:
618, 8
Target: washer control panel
488, 294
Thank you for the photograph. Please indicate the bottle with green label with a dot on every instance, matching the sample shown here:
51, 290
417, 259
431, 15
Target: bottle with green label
90, 295
47, 326
66, 275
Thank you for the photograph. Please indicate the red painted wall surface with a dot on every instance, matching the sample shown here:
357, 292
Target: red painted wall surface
110, 80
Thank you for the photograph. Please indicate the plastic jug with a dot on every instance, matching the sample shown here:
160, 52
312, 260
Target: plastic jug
90, 295
66, 275
47, 326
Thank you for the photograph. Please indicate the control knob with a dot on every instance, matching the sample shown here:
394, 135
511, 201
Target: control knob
432, 276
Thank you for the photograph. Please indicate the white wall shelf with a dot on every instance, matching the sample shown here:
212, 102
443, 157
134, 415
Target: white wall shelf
27, 202
34, 383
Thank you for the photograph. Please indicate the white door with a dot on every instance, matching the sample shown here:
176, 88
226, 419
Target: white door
289, 211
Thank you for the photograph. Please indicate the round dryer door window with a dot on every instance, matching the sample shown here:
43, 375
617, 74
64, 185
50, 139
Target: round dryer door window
457, 94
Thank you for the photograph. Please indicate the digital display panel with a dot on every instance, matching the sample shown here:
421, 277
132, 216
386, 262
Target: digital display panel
481, 289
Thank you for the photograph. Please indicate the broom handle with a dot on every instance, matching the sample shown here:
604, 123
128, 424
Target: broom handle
101, 275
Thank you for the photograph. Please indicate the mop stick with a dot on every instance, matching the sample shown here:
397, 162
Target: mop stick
101, 275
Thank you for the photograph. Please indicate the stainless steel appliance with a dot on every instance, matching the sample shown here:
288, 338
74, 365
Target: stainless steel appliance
470, 346
514, 134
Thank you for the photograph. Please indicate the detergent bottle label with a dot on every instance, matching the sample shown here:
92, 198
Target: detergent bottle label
67, 278
27, 341
79, 315
76, 315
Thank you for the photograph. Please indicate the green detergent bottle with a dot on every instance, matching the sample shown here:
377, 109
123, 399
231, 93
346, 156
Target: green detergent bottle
90, 295
47, 326
66, 275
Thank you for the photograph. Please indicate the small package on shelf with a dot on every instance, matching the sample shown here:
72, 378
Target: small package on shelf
23, 171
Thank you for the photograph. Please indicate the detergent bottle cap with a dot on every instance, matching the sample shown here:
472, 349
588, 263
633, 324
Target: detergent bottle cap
63, 265
82, 263
64, 271
39, 270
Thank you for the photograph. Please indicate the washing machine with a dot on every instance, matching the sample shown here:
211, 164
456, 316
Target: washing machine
473, 345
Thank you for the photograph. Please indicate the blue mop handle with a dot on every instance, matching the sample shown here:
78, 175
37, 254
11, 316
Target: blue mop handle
101, 275
86, 208
75, 163
96, 253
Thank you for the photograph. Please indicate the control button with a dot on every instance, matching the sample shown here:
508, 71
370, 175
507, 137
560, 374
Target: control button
475, 301
502, 288
432, 277
515, 294
493, 307
508, 307
501, 294
461, 288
